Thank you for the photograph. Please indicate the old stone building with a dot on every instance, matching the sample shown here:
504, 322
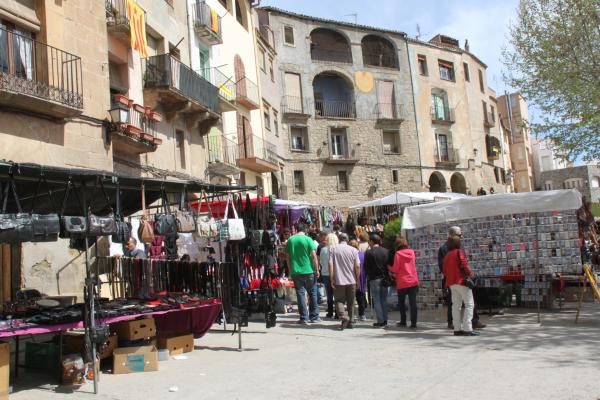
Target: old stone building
585, 178
461, 142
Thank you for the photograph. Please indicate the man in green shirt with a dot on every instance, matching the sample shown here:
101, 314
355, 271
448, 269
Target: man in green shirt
304, 270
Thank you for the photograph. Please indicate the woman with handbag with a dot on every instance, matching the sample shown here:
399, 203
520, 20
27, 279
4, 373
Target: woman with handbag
459, 279
407, 280
378, 277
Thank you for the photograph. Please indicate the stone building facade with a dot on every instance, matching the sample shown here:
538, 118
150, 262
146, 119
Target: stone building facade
585, 178
545, 158
346, 108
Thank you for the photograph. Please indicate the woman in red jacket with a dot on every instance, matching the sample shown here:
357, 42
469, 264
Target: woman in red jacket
455, 269
407, 280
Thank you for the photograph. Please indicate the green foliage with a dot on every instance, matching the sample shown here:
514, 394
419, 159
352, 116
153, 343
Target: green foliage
554, 61
596, 209
390, 231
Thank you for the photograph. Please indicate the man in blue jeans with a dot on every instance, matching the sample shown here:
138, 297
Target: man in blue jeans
304, 270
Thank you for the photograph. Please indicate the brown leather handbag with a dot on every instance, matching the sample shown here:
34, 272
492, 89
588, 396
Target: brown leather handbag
145, 232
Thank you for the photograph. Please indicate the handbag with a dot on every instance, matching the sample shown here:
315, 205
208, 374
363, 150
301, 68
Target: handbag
101, 225
207, 226
231, 228
71, 226
123, 228
165, 224
469, 282
145, 231
14, 227
45, 226
387, 280
186, 220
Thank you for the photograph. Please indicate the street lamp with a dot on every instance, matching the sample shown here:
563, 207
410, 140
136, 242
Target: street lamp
119, 114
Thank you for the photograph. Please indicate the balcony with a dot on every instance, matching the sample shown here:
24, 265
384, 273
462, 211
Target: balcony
335, 109
489, 120
116, 19
327, 45
493, 147
227, 92
207, 23
39, 78
178, 88
380, 60
133, 127
348, 156
447, 157
258, 155
390, 112
222, 155
247, 94
324, 55
443, 116
295, 106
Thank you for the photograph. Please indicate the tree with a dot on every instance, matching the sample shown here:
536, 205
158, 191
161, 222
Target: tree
555, 63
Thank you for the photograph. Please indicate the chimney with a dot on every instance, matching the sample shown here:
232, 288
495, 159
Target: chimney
467, 45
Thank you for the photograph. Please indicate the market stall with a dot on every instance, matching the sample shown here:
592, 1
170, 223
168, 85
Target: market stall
524, 237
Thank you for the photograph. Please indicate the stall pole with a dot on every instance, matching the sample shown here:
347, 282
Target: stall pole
537, 262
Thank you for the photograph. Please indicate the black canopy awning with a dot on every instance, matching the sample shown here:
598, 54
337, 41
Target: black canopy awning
87, 188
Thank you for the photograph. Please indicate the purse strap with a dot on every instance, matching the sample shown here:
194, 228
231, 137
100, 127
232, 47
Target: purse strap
106, 198
118, 200
143, 196
203, 196
165, 200
11, 185
230, 200
183, 200
41, 180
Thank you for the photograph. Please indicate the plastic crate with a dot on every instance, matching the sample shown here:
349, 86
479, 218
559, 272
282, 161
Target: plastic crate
41, 355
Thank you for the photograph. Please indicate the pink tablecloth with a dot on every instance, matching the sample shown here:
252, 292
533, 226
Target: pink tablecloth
198, 319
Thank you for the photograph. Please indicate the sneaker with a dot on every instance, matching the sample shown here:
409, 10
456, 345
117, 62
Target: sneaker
459, 333
401, 324
362, 318
472, 333
302, 322
316, 321
479, 325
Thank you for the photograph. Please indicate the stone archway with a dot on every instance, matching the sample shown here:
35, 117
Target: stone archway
437, 183
458, 183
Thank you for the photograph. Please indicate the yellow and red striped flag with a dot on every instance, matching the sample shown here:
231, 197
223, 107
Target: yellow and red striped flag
137, 21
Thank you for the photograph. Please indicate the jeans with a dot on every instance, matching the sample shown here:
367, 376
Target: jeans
475, 319
361, 299
379, 294
319, 297
329, 291
344, 296
411, 292
304, 284
462, 294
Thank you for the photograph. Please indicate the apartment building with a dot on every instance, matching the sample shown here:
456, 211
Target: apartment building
462, 144
515, 115
223, 51
348, 125
545, 158
585, 178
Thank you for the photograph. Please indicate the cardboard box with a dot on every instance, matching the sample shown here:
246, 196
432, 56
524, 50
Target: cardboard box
135, 359
176, 344
73, 343
134, 330
4, 369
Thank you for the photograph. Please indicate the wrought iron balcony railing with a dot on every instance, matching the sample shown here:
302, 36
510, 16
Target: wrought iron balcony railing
222, 150
294, 105
335, 109
255, 146
390, 111
447, 156
380, 60
207, 23
442, 115
319, 54
247, 93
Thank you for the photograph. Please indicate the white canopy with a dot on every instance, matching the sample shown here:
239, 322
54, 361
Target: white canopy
487, 206
403, 198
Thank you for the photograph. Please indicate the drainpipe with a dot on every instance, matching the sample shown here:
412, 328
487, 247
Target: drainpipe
190, 24
412, 85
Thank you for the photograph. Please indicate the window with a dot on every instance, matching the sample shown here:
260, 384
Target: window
262, 60
466, 69
574, 183
223, 3
204, 64
443, 149
481, 87
16, 52
422, 60
267, 115
492, 113
343, 184
180, 148
595, 182
271, 71
260, 186
485, 114
242, 178
391, 142
548, 185
288, 35
446, 70
503, 176
238, 13
497, 174
275, 123
299, 137
395, 176
339, 143
298, 181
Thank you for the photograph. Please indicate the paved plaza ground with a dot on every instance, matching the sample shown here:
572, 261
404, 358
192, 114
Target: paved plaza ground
514, 358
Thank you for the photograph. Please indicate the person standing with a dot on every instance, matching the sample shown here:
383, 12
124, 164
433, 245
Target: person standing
443, 250
132, 251
361, 285
376, 259
331, 240
407, 280
344, 272
304, 269
455, 271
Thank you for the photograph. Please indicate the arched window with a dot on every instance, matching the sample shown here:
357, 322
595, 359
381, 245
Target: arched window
334, 96
329, 45
379, 52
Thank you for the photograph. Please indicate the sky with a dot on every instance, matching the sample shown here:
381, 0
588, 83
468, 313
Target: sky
483, 22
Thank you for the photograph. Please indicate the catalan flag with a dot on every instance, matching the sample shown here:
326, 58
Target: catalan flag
137, 21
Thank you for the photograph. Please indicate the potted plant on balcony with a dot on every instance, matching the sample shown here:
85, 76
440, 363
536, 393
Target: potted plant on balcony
139, 108
133, 131
121, 99
157, 141
156, 117
146, 136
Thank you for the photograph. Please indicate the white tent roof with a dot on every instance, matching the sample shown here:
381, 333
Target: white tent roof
403, 198
487, 206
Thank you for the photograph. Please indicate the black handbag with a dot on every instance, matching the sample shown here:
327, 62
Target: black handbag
45, 226
14, 227
71, 226
123, 227
101, 225
186, 219
165, 224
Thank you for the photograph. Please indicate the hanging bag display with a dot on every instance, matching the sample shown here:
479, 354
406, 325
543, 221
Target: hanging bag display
14, 227
231, 228
165, 224
101, 225
123, 227
208, 226
45, 226
186, 220
146, 231
71, 226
